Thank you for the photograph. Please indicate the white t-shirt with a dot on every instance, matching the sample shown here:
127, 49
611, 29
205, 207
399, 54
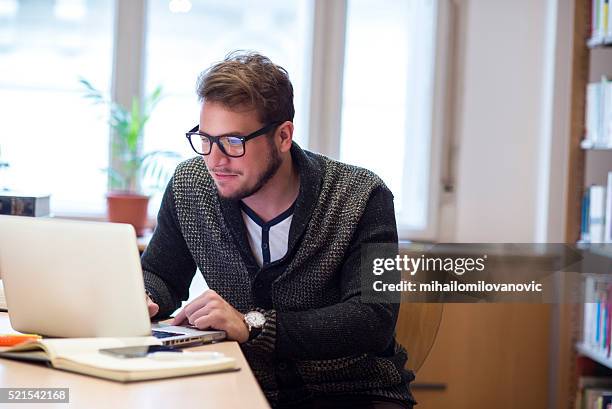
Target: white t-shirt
268, 240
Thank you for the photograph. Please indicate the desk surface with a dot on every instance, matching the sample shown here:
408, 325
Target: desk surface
223, 390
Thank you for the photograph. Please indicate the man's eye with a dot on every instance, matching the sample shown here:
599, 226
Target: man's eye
234, 141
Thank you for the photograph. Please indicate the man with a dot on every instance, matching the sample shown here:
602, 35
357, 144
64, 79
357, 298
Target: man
276, 232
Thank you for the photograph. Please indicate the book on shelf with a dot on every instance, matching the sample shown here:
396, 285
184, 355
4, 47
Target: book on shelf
592, 112
596, 214
607, 235
594, 21
592, 392
592, 399
584, 217
596, 342
81, 355
598, 115
597, 333
23, 204
598, 399
603, 24
600, 22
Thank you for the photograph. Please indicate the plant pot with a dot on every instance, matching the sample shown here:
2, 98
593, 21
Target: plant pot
129, 208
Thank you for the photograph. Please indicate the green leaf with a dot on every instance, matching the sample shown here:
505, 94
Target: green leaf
116, 179
128, 126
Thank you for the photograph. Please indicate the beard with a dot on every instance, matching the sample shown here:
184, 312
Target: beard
274, 163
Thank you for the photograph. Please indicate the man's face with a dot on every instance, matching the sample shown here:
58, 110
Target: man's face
237, 178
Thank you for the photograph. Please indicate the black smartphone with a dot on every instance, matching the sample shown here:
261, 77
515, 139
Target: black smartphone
137, 351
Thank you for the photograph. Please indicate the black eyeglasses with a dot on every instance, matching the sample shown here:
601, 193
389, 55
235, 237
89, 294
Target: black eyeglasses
231, 145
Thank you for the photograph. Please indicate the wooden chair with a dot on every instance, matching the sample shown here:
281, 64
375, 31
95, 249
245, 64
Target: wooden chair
416, 329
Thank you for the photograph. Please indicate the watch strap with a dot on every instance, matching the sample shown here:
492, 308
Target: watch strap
266, 339
254, 332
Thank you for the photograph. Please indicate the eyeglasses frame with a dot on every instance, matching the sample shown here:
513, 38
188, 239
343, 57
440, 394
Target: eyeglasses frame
217, 139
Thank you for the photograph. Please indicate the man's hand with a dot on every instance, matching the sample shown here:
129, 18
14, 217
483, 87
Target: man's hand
209, 310
153, 308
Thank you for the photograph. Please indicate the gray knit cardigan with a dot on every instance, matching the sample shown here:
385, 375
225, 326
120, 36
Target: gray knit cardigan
319, 338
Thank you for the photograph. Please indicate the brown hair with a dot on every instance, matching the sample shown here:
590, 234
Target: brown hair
250, 79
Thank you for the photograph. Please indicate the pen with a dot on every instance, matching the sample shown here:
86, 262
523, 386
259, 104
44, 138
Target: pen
9, 340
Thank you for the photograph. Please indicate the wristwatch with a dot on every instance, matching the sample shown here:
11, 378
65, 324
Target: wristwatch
255, 321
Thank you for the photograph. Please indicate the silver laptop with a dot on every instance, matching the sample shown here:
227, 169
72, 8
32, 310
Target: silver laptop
65, 278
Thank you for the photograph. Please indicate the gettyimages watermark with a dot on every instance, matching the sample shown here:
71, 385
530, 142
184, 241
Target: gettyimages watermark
508, 272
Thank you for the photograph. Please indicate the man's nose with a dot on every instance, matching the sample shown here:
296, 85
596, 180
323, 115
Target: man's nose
217, 157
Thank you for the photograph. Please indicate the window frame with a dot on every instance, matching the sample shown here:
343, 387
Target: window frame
323, 83
439, 126
326, 98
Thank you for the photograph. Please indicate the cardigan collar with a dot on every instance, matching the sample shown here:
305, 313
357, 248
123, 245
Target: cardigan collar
311, 177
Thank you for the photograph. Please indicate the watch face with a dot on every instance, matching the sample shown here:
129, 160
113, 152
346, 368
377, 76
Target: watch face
255, 319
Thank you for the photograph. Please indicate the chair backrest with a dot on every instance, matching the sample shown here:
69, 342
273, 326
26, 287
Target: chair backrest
416, 329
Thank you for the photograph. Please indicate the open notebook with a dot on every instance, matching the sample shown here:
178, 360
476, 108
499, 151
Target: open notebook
81, 355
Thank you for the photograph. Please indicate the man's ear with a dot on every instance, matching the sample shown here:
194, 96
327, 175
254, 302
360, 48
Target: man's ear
285, 132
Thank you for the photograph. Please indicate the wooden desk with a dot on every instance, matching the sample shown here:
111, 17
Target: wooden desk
219, 391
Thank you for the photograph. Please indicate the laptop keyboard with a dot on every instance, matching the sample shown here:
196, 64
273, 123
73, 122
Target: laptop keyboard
164, 334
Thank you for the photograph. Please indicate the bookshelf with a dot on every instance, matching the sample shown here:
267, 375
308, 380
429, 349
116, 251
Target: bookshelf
593, 354
600, 42
591, 59
589, 146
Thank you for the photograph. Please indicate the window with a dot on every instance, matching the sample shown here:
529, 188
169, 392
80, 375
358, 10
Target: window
52, 139
181, 45
382, 98
206, 33
388, 93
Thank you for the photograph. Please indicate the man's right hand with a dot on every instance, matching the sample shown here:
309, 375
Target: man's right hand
153, 308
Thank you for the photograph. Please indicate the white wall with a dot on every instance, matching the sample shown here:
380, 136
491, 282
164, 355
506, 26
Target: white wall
502, 105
